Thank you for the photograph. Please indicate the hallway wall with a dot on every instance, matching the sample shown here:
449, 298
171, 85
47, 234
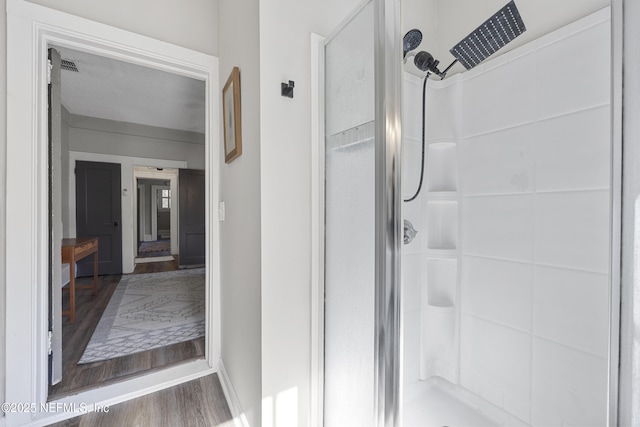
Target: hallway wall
192, 23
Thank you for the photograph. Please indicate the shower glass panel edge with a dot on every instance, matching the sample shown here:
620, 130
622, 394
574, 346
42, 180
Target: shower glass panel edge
389, 235
362, 202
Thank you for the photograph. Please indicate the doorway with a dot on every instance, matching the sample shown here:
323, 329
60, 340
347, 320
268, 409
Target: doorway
125, 304
156, 214
154, 226
29, 36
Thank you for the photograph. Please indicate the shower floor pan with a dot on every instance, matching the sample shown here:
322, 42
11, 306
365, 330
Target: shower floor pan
438, 403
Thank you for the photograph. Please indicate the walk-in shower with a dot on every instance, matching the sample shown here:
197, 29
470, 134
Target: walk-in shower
503, 27
506, 288
502, 315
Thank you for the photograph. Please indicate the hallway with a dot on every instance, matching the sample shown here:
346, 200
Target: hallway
89, 309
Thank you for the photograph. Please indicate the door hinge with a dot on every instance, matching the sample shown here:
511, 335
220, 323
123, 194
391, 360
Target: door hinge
49, 68
49, 339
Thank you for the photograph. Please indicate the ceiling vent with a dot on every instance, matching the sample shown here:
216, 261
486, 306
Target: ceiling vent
65, 64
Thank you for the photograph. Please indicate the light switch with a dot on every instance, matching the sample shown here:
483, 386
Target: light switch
221, 211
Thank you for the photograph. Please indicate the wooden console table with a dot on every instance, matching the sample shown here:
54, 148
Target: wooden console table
74, 250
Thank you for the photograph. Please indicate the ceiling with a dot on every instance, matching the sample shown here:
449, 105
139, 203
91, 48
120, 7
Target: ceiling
115, 90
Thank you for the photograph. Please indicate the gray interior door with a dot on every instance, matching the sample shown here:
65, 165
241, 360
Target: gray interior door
191, 193
98, 214
55, 219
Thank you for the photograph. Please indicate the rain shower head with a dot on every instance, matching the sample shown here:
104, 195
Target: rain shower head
504, 26
411, 41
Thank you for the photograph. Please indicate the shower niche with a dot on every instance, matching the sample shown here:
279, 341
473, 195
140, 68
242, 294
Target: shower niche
442, 167
442, 225
439, 308
438, 326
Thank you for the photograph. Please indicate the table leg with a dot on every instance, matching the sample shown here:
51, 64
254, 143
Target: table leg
95, 273
72, 291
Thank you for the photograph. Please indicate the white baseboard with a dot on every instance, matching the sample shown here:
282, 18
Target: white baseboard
239, 417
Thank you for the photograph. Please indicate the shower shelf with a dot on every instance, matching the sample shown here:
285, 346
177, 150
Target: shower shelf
442, 195
444, 253
442, 167
443, 308
442, 223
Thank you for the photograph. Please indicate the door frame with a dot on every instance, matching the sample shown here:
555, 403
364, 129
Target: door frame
170, 175
154, 208
31, 29
128, 179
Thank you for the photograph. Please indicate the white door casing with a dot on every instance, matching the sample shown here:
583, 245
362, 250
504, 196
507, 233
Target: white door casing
31, 29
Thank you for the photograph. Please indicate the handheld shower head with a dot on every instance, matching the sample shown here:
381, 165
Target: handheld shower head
411, 41
424, 61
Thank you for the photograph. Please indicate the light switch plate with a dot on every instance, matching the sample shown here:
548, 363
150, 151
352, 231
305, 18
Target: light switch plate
221, 211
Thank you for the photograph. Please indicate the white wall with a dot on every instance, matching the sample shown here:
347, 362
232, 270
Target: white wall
285, 126
535, 171
422, 15
91, 135
430, 262
240, 233
3, 159
192, 24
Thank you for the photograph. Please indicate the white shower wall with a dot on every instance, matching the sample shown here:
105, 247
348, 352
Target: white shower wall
531, 130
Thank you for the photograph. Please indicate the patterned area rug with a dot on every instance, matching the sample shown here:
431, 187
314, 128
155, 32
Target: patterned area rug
149, 311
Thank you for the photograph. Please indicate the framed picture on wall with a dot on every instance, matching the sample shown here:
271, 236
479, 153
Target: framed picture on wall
231, 115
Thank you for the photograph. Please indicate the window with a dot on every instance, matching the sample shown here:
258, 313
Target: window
165, 199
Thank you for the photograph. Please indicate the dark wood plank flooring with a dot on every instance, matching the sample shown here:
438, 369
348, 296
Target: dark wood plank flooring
89, 309
156, 267
199, 402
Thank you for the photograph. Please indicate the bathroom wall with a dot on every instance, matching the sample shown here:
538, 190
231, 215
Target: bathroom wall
240, 189
285, 182
431, 260
533, 158
535, 227
445, 22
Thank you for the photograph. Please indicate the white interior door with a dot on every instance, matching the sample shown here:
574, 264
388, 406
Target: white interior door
55, 220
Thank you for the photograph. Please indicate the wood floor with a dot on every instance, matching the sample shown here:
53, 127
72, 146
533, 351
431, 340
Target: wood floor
196, 403
89, 308
156, 267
